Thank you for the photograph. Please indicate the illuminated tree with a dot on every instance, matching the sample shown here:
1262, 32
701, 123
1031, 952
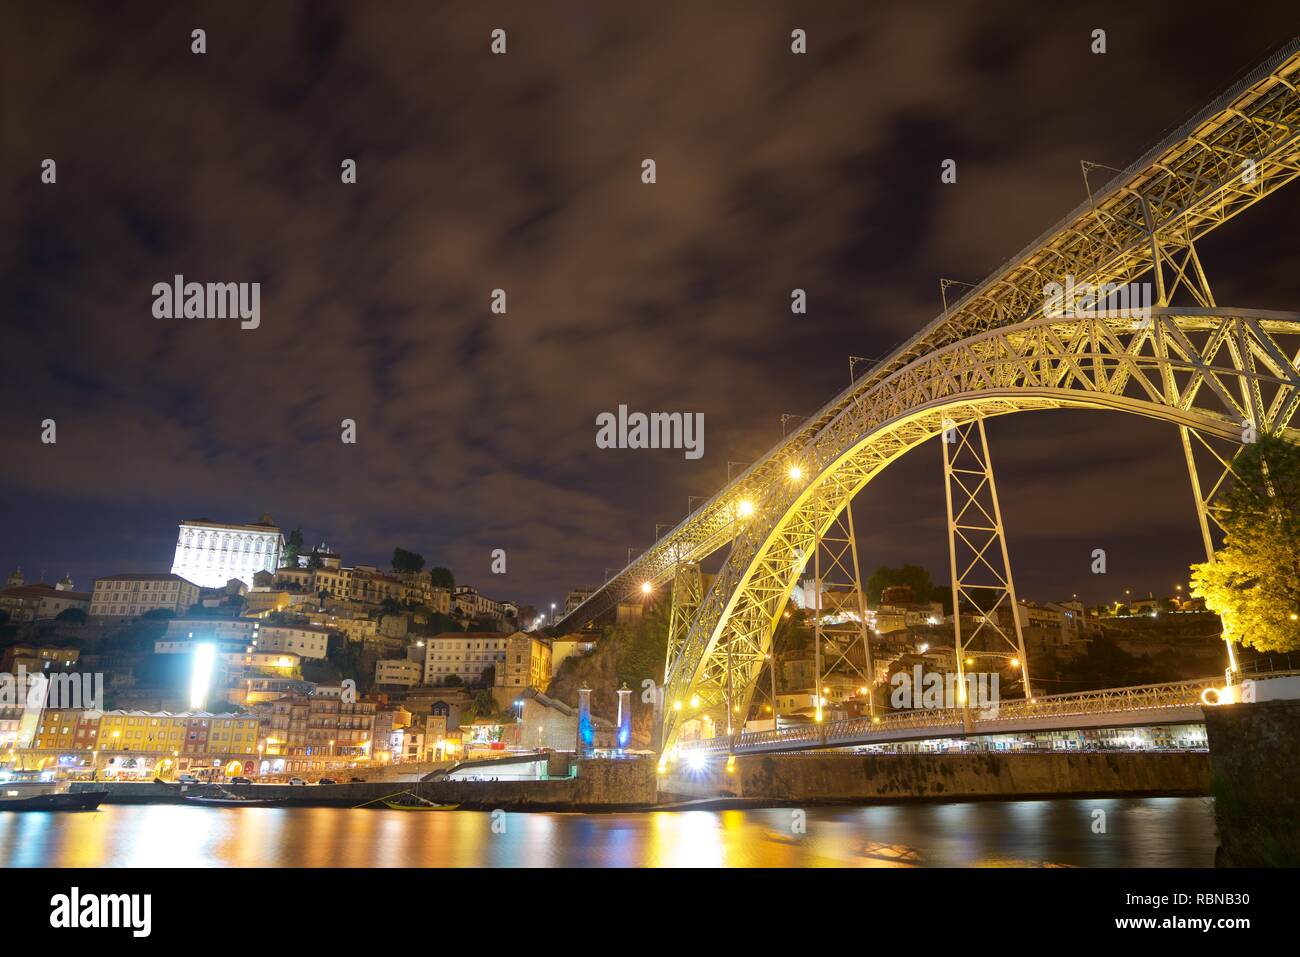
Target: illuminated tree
1253, 582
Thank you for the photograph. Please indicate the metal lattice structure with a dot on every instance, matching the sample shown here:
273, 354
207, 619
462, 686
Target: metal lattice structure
1196, 179
1219, 374
1204, 369
983, 588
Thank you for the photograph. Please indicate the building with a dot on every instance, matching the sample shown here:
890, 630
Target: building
464, 654
576, 643
305, 641
575, 598
399, 671
527, 663
211, 553
131, 595
469, 602
37, 658
314, 733
143, 744
41, 601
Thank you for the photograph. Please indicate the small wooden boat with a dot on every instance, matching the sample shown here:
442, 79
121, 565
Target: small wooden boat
224, 798
411, 806
233, 801
408, 801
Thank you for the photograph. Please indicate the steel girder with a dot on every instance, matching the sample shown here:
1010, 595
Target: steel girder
1193, 181
1217, 371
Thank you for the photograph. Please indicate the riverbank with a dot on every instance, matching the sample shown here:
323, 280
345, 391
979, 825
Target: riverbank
599, 785
855, 778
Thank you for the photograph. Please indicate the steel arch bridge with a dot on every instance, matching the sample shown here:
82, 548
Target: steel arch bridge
1216, 373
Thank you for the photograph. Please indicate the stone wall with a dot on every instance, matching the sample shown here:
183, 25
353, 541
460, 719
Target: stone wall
1256, 782
893, 777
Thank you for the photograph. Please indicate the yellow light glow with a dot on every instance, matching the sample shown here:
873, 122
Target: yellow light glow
1015, 662
695, 701
796, 473
745, 508
646, 587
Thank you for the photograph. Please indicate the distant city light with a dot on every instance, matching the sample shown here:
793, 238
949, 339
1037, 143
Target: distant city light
205, 656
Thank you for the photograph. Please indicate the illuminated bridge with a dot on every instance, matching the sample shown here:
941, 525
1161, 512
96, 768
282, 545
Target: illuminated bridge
1175, 702
1220, 375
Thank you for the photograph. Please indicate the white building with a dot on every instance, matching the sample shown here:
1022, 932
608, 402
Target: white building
398, 671
465, 654
127, 596
305, 641
211, 553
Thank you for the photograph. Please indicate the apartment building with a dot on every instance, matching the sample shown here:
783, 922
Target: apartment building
131, 595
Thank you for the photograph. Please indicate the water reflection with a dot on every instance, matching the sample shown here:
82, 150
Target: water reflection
1135, 832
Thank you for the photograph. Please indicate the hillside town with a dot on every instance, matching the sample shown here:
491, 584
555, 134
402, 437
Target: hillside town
254, 657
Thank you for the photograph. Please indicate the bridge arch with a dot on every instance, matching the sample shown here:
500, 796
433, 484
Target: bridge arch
1210, 370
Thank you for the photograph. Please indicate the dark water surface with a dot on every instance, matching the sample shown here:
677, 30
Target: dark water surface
1139, 832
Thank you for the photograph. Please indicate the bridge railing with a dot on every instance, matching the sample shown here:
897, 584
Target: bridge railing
1170, 694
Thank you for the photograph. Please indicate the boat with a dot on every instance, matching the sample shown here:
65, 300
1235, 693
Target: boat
408, 801
411, 806
48, 798
224, 798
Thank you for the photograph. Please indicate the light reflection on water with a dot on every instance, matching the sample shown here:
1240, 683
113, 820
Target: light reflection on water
1140, 832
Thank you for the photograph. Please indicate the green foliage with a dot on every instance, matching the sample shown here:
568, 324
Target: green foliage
314, 561
76, 616
1253, 581
292, 548
912, 575
407, 562
442, 578
641, 645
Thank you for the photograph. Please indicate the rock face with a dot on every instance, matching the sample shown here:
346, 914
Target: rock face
1255, 768
600, 671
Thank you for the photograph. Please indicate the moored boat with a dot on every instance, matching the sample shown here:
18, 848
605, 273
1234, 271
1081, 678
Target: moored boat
411, 806
223, 798
49, 799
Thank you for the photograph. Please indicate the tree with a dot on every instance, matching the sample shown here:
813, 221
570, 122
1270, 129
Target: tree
314, 561
292, 548
914, 576
1253, 581
410, 563
76, 616
442, 578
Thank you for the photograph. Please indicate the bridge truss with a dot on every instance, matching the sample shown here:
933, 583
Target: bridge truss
1221, 375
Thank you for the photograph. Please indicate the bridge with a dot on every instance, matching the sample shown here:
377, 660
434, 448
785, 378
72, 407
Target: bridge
1175, 702
1221, 375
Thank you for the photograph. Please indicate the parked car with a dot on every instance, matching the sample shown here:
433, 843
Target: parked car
187, 779
327, 781
297, 781
356, 780
240, 780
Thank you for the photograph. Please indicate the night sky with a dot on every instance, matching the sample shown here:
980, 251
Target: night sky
477, 431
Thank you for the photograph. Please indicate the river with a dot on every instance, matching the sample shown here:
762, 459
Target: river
1138, 832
